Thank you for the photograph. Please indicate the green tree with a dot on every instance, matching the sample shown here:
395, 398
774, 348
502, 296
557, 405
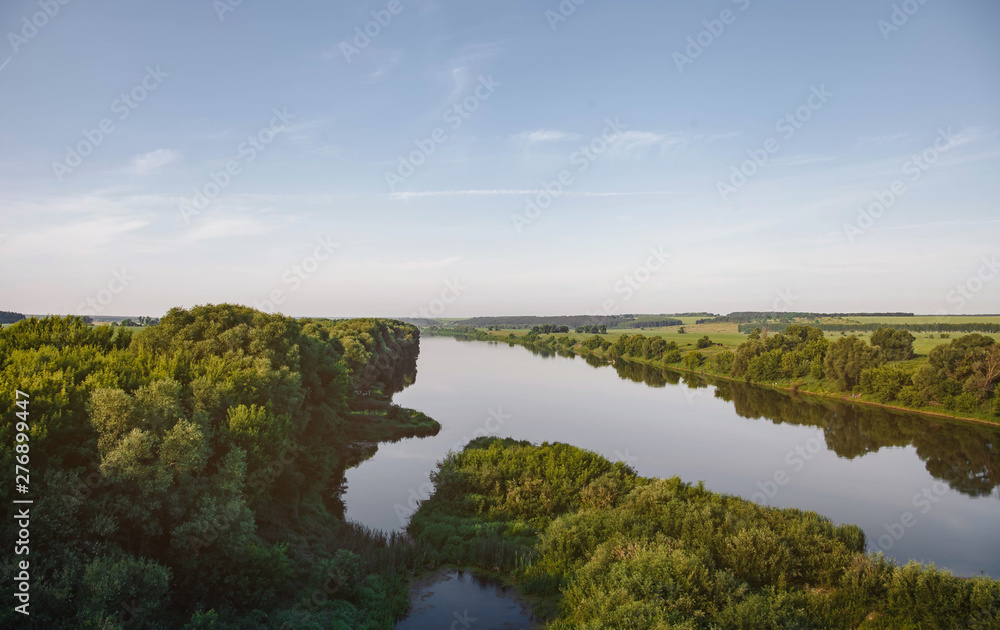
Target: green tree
884, 382
692, 360
723, 362
896, 345
847, 358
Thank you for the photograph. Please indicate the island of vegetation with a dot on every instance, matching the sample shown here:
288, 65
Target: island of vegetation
600, 547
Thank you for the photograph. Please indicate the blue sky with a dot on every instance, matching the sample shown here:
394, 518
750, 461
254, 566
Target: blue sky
491, 103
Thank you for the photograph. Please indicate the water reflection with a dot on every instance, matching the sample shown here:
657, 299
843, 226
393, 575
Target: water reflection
963, 455
460, 599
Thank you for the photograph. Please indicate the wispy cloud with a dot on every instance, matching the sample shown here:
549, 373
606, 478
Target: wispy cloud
528, 138
87, 236
879, 140
227, 227
634, 143
799, 160
147, 163
4, 64
460, 193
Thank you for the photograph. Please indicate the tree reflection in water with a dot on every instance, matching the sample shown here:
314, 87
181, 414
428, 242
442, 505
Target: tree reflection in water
964, 455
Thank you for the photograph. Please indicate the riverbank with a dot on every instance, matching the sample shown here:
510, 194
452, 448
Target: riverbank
808, 385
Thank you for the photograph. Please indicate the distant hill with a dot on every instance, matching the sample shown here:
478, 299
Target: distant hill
742, 317
611, 321
7, 317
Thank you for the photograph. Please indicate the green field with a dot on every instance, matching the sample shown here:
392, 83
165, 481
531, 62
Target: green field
924, 319
727, 335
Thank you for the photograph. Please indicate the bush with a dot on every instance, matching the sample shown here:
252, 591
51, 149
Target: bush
884, 382
692, 360
723, 362
964, 402
704, 342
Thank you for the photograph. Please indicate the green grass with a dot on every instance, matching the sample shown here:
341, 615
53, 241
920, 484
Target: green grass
925, 319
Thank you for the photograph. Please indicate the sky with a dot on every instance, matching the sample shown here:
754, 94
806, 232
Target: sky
453, 159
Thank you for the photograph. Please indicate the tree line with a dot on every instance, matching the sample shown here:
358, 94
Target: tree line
958, 376
980, 327
8, 317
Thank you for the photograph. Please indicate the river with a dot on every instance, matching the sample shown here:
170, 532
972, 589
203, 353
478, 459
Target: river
921, 488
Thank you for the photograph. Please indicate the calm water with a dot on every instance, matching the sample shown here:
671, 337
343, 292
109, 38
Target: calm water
459, 599
922, 489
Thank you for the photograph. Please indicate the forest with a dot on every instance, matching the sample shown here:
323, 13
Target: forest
945, 327
7, 317
185, 476
600, 547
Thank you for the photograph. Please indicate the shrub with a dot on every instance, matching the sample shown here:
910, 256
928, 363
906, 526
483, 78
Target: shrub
723, 362
692, 360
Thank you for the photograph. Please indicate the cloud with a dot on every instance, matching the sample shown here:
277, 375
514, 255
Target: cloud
877, 141
637, 143
404, 196
528, 138
227, 227
799, 160
147, 163
93, 234
4, 64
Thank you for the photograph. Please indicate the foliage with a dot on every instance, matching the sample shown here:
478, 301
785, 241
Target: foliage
693, 359
183, 469
614, 550
847, 358
896, 345
7, 317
